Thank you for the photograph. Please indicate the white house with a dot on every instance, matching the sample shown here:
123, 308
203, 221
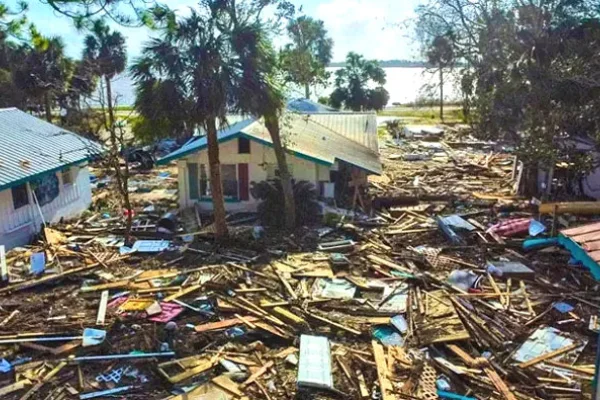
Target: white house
323, 148
43, 175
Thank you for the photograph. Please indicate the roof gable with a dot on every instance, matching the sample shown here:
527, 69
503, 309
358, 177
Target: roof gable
304, 138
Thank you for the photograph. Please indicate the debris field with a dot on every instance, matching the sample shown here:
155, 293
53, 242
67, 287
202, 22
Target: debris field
451, 287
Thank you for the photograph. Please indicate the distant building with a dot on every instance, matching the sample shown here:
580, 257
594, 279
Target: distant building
43, 175
324, 148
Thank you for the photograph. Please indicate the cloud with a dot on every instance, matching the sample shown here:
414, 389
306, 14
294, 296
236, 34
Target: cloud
368, 27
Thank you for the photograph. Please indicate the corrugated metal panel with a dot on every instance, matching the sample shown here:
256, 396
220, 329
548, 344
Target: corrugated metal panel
359, 127
30, 147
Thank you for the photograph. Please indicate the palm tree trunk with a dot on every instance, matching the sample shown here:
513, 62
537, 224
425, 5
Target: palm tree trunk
441, 94
48, 107
307, 91
216, 185
272, 124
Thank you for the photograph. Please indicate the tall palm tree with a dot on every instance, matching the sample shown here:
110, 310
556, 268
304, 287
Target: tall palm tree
260, 94
106, 51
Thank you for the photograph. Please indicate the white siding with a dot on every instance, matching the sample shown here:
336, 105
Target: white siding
17, 227
259, 160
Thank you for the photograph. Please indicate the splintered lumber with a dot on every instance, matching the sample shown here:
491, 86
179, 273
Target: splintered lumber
382, 372
527, 300
228, 323
335, 324
285, 314
287, 285
182, 293
14, 387
577, 208
499, 383
46, 279
44, 380
192, 366
382, 261
463, 355
362, 385
224, 382
548, 356
257, 374
102, 308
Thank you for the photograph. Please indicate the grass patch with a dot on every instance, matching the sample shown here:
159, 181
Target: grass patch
424, 115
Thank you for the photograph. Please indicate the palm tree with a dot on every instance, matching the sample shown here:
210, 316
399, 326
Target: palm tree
259, 94
43, 72
106, 51
199, 61
106, 54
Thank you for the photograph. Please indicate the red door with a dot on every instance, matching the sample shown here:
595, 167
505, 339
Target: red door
244, 182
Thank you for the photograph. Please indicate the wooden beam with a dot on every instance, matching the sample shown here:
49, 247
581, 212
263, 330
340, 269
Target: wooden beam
547, 356
382, 372
102, 308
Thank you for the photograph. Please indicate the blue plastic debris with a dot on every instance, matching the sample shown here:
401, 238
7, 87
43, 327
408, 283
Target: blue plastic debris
5, 366
38, 263
532, 244
453, 396
563, 307
399, 322
387, 336
536, 227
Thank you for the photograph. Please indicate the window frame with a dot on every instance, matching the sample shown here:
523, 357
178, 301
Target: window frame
204, 189
67, 172
246, 142
12, 192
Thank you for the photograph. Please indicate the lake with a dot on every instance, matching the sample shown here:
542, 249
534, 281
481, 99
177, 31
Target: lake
405, 85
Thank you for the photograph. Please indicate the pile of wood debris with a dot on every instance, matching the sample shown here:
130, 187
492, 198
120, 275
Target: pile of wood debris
430, 300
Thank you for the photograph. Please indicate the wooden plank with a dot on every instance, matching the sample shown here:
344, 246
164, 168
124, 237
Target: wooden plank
499, 383
340, 326
184, 292
382, 372
287, 285
44, 380
573, 368
285, 314
527, 300
547, 356
224, 382
228, 323
381, 261
102, 308
463, 355
14, 387
362, 385
257, 374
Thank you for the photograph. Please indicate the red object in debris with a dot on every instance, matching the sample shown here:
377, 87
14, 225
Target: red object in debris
511, 227
126, 213
473, 290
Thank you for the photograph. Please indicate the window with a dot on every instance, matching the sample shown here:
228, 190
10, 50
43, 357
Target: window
243, 145
228, 177
19, 196
67, 176
204, 182
45, 189
230, 183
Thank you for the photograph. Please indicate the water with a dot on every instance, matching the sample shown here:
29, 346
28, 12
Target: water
405, 85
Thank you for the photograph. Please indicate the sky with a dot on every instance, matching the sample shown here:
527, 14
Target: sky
369, 27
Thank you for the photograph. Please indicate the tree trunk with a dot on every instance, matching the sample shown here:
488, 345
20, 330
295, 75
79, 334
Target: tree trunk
122, 178
216, 185
48, 107
307, 91
111, 114
442, 94
272, 124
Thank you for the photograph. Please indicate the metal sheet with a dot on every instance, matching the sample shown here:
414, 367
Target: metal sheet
315, 362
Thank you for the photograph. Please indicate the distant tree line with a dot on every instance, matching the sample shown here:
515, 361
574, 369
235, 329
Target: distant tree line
388, 64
